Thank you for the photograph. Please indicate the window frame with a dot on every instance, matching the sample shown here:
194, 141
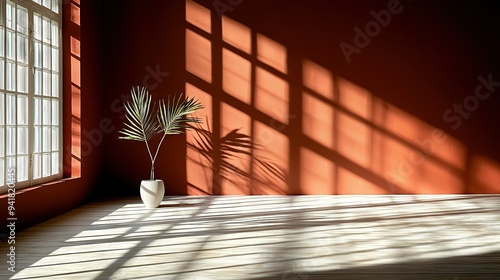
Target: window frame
32, 8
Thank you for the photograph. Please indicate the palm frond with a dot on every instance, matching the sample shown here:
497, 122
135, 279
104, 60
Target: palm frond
140, 124
173, 116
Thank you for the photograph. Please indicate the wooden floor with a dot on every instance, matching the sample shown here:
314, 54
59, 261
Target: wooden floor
267, 237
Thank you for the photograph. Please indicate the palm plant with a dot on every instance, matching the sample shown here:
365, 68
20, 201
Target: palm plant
145, 121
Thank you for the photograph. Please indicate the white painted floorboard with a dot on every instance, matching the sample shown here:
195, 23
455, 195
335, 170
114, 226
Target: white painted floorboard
446, 237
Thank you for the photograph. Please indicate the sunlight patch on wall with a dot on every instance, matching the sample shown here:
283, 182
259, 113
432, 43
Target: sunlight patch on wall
74, 165
318, 79
237, 181
198, 56
236, 76
402, 124
350, 183
199, 172
271, 160
417, 157
272, 53
236, 34
354, 139
435, 178
317, 120
206, 99
75, 13
392, 165
198, 166
409, 170
271, 95
485, 175
446, 148
198, 16
355, 99
316, 173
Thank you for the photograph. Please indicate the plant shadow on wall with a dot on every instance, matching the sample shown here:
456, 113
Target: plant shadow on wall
223, 161
327, 134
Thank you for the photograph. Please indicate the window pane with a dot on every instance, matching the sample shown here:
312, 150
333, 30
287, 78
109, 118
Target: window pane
55, 59
55, 85
46, 112
22, 20
37, 27
55, 112
37, 111
55, 138
22, 78
2, 84
38, 1
1, 38
46, 83
22, 140
37, 52
22, 168
11, 76
10, 14
22, 49
2, 167
45, 165
46, 133
22, 110
2, 140
2, 108
46, 32
37, 166
11, 163
55, 163
47, 3
11, 109
46, 57
10, 45
38, 82
37, 139
11, 141
55, 34
55, 6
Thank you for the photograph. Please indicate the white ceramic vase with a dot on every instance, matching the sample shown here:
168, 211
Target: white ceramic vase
152, 192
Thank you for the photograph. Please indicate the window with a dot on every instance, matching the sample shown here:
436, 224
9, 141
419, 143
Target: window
30, 92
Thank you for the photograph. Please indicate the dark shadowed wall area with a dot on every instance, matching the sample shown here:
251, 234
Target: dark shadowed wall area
143, 47
310, 97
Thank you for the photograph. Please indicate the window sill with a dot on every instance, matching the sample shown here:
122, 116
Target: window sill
39, 186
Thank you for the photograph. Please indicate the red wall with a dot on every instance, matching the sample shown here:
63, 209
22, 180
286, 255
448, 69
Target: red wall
378, 127
376, 130
143, 47
83, 96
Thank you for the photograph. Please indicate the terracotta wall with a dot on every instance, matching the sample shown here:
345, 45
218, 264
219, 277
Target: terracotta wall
143, 46
311, 97
82, 112
286, 112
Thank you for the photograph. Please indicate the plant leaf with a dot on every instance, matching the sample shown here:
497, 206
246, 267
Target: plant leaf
173, 116
140, 124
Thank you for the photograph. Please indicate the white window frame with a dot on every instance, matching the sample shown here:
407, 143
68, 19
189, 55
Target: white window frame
54, 15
